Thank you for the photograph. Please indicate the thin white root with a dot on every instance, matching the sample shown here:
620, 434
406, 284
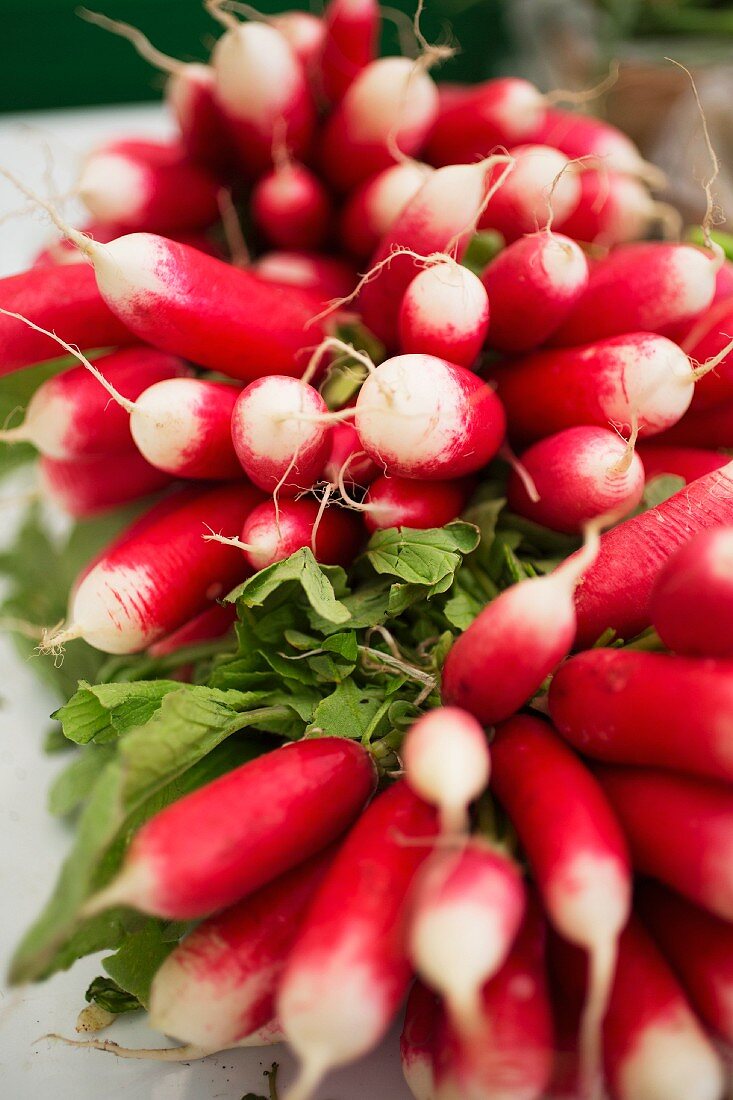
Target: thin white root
140, 41
522, 473
309, 1078
670, 220
563, 95
187, 1053
21, 626
217, 11
575, 566
709, 365
54, 640
602, 962
622, 465
349, 501
15, 435
83, 241
214, 536
319, 516
470, 227
332, 343
232, 227
247, 10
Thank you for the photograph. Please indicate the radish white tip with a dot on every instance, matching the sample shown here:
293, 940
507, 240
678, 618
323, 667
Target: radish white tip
15, 435
130, 887
187, 1053
454, 820
54, 640
309, 1078
602, 965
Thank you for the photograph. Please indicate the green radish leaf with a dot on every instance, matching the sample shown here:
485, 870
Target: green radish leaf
422, 557
104, 712
319, 583
482, 248
73, 785
108, 995
137, 960
347, 711
660, 488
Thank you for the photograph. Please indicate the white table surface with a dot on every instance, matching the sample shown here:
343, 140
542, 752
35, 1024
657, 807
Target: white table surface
32, 844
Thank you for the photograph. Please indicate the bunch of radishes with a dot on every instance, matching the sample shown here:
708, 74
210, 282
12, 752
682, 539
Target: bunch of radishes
498, 868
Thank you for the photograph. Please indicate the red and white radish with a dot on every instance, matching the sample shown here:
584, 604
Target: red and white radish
447, 762
685, 462
215, 622
624, 706
612, 596
348, 461
219, 983
219, 844
148, 186
497, 664
306, 35
325, 276
532, 286
638, 380
419, 416
578, 474
707, 428
580, 135
577, 852
291, 207
372, 209
348, 970
422, 1015
466, 910
86, 486
612, 209
385, 113
445, 312
705, 340
63, 251
406, 502
350, 44
543, 184
679, 830
692, 599
474, 120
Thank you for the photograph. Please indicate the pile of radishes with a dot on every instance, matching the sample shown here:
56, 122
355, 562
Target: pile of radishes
318, 201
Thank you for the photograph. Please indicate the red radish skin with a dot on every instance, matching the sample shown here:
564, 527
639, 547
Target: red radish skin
446, 760
648, 285
653, 806
419, 416
699, 947
610, 596
474, 120
261, 87
183, 427
277, 448
218, 985
692, 599
708, 428
578, 856
388, 108
348, 971
291, 208
466, 910
579, 135
422, 1017
532, 285
445, 311
65, 300
348, 459
624, 706
274, 532
372, 209
148, 186
541, 185
350, 44
150, 583
706, 340
405, 502
612, 209
685, 462
639, 377
691, 331
71, 416
215, 622
497, 664
509, 1055
579, 474
219, 844
305, 34
85, 487
327, 277
440, 217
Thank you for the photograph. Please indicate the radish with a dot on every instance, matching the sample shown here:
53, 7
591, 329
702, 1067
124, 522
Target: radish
577, 853
348, 461
154, 581
623, 706
637, 381
148, 186
699, 947
502, 659
280, 431
445, 311
219, 844
654, 806
578, 474
417, 1041
70, 416
64, 299
272, 532
84, 487
707, 428
385, 114
465, 913
692, 599
183, 426
474, 120
189, 92
419, 416
327, 276
306, 35
543, 184
646, 286
405, 502
262, 89
350, 44
213, 623
685, 462
446, 760
509, 1055
689, 332
612, 209
372, 209
218, 985
291, 207
62, 251
440, 217
348, 970
584, 136
707, 339
611, 596
532, 286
